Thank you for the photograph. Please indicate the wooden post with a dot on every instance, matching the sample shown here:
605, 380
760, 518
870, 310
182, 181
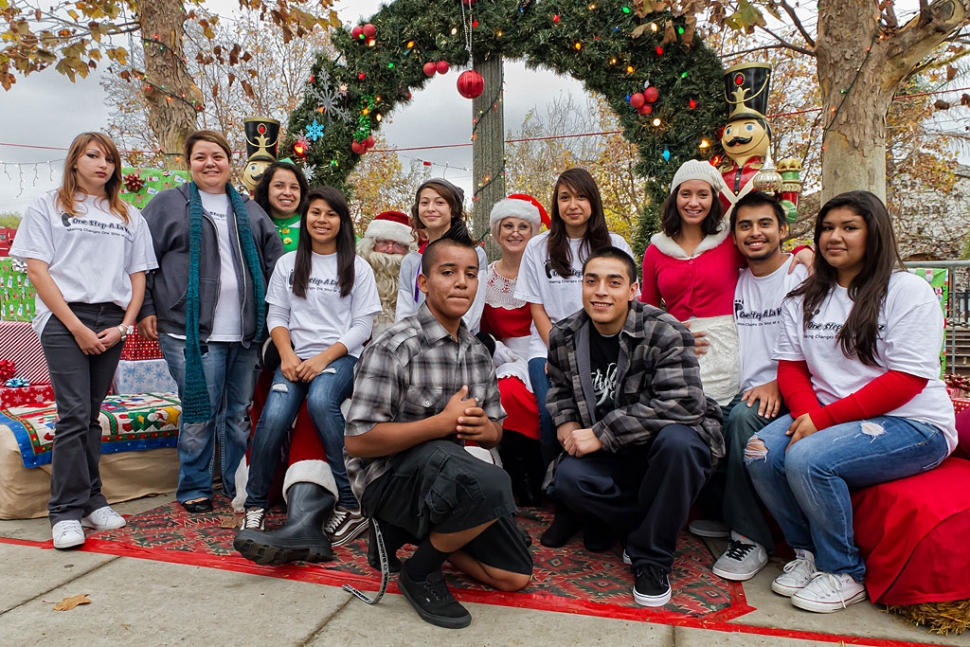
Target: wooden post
488, 149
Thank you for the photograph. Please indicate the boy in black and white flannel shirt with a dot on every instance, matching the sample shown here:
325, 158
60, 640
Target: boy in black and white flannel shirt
640, 437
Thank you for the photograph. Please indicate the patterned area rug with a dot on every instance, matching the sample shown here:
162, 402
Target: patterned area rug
129, 422
570, 579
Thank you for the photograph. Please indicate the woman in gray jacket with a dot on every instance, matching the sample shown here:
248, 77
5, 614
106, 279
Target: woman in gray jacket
206, 306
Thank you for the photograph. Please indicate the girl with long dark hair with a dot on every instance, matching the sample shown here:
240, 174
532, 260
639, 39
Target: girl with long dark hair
322, 301
858, 366
550, 280
87, 252
437, 212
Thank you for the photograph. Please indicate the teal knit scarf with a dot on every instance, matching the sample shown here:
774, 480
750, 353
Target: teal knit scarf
195, 401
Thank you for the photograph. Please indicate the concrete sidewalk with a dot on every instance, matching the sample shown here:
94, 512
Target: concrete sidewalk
148, 603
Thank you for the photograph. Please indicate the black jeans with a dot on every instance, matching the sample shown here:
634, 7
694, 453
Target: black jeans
644, 491
80, 384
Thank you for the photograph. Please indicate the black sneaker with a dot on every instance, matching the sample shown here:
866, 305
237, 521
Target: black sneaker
652, 588
433, 601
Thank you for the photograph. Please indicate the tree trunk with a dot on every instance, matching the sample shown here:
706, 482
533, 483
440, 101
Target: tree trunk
860, 68
171, 94
488, 149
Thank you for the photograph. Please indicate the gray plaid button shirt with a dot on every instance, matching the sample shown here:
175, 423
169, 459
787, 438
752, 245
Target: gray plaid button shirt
409, 373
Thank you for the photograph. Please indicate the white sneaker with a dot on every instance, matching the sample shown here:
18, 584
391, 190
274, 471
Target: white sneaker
67, 534
797, 574
709, 528
829, 592
742, 560
254, 519
104, 519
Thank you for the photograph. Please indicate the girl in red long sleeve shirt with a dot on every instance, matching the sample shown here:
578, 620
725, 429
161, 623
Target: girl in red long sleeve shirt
859, 369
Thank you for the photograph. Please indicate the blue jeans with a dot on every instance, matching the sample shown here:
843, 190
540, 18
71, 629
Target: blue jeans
540, 386
323, 396
740, 505
230, 375
806, 489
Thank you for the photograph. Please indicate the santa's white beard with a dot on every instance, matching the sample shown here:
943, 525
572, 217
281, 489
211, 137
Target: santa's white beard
387, 273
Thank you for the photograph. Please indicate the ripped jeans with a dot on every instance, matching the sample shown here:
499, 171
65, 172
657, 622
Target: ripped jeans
806, 489
323, 396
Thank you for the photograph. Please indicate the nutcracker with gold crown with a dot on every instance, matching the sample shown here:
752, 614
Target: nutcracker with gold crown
262, 143
747, 141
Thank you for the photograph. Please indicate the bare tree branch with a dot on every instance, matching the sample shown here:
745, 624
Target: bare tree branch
796, 21
787, 44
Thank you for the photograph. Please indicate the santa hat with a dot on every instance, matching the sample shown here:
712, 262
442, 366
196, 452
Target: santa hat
519, 205
391, 225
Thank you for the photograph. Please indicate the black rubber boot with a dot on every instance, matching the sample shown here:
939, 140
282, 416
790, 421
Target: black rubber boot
301, 538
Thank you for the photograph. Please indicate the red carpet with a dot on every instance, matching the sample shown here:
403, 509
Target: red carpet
570, 579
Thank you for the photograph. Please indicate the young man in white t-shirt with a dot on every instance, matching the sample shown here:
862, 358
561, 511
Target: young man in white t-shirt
758, 226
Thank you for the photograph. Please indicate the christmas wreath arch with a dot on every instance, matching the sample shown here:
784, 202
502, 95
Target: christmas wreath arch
656, 73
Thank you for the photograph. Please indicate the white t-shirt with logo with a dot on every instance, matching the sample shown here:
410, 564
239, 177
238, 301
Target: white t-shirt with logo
227, 320
323, 318
757, 314
539, 283
90, 256
910, 338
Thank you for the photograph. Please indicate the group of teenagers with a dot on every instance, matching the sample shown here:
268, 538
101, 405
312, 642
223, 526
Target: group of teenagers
732, 375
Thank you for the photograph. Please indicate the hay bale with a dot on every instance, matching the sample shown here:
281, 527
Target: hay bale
944, 618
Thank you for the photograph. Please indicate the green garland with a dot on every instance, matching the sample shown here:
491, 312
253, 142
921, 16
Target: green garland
411, 33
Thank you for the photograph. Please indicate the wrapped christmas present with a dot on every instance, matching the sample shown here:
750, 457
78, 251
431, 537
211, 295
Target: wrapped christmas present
138, 348
16, 292
20, 344
146, 376
32, 395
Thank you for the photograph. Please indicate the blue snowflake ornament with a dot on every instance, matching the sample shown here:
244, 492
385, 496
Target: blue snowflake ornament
314, 131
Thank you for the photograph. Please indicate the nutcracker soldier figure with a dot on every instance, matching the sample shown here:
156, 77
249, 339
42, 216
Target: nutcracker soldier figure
262, 142
747, 140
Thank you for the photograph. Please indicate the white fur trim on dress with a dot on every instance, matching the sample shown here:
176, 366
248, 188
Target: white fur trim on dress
387, 230
669, 246
310, 471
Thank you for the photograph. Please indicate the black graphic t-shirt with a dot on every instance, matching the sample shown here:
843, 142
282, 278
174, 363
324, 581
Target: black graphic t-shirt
604, 352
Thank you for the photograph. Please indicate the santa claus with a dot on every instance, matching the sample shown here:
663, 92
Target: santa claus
386, 242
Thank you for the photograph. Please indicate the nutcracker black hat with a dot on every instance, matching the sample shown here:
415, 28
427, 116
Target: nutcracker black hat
746, 88
262, 138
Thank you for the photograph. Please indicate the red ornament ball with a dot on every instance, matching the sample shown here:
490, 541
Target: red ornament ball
357, 32
442, 67
645, 109
358, 148
370, 30
430, 68
637, 100
470, 84
651, 94
369, 142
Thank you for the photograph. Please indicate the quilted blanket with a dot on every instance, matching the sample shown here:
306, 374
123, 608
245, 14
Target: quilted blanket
129, 423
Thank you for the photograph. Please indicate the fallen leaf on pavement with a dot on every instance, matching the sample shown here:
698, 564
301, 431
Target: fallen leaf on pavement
69, 603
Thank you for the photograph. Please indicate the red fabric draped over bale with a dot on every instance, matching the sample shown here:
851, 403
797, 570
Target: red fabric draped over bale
913, 532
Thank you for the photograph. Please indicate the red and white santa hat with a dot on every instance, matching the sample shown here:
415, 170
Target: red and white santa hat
518, 205
391, 225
